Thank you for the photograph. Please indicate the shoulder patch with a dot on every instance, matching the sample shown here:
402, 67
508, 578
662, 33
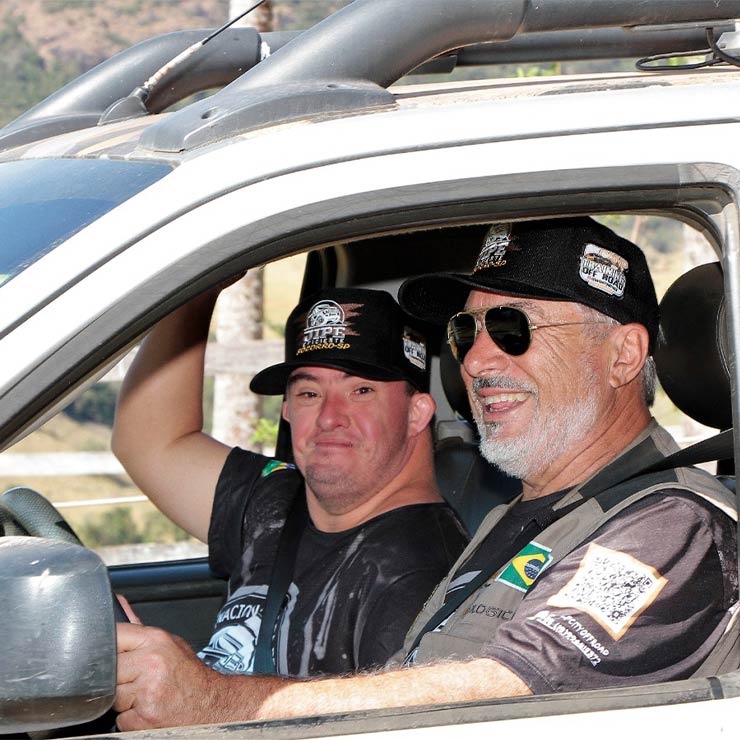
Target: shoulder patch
524, 567
274, 466
612, 587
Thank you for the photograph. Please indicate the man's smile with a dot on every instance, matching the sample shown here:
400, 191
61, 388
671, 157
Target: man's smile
494, 405
499, 396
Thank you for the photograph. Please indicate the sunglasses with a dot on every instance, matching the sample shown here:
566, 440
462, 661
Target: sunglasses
509, 328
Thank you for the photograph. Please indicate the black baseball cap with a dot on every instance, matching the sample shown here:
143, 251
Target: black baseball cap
363, 332
566, 259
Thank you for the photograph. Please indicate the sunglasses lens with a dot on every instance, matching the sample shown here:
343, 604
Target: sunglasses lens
461, 334
509, 329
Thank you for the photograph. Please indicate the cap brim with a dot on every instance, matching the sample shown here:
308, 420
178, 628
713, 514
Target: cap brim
437, 297
273, 380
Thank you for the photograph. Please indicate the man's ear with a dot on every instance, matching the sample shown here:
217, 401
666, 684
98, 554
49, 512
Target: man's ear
421, 410
629, 350
284, 412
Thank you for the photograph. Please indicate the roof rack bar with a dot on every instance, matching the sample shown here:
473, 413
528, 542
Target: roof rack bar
343, 63
359, 48
547, 15
228, 56
84, 100
587, 44
396, 36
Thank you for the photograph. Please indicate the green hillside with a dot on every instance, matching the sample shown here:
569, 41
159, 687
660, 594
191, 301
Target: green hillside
46, 43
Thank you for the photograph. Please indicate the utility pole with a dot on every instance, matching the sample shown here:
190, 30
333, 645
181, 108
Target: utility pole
239, 313
261, 18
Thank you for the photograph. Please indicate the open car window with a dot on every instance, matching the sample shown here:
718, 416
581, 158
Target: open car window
69, 457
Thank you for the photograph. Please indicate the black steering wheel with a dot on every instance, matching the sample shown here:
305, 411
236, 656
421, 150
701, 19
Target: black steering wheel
25, 512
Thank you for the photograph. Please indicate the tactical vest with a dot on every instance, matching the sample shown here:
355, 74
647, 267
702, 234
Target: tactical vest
475, 622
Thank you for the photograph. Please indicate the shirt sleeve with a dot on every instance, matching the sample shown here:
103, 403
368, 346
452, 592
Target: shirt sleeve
237, 480
643, 601
393, 612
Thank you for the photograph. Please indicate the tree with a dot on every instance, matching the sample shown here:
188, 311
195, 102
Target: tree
236, 411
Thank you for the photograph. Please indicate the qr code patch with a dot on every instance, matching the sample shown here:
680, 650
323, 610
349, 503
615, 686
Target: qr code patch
612, 587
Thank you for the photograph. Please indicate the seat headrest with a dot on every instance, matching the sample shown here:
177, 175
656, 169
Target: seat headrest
452, 384
691, 354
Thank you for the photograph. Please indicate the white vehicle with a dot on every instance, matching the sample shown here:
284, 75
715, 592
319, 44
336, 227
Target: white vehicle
113, 213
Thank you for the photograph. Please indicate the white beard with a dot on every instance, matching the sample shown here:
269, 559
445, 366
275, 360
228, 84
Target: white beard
549, 436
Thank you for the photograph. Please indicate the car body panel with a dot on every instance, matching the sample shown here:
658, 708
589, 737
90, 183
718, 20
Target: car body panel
448, 154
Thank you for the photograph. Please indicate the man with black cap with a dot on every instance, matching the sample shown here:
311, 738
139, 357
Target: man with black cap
602, 573
554, 331
329, 563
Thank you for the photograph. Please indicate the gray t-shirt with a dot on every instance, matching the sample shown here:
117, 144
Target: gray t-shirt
642, 601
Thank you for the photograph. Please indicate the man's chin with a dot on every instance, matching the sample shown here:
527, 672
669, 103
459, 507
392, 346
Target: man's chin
325, 479
498, 435
328, 483
333, 499
514, 457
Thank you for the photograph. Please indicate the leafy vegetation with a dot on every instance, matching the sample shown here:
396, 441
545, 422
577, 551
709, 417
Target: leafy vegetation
97, 404
25, 79
117, 526
265, 433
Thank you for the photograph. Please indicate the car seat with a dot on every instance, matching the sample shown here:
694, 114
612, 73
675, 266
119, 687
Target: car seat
692, 355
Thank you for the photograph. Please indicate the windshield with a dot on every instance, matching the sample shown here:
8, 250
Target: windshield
45, 201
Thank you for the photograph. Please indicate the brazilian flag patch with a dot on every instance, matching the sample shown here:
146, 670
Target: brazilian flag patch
524, 568
274, 465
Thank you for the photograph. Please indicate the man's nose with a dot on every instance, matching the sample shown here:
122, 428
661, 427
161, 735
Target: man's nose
333, 412
485, 357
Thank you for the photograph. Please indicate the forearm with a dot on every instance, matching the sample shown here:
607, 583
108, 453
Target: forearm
172, 352
161, 683
440, 683
159, 415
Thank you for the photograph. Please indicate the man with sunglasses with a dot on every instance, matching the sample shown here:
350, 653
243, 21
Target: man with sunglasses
601, 574
554, 331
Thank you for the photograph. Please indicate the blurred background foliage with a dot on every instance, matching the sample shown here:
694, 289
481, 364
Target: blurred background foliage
46, 43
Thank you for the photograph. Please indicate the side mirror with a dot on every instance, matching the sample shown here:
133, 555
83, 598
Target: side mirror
57, 635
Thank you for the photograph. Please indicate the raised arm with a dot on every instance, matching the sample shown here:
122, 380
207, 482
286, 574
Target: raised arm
158, 434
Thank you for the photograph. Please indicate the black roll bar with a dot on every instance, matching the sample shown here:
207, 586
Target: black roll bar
346, 61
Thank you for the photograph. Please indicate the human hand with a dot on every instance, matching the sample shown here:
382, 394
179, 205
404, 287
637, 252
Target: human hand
161, 682
127, 609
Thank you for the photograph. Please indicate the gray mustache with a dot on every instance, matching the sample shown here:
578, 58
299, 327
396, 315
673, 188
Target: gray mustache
501, 381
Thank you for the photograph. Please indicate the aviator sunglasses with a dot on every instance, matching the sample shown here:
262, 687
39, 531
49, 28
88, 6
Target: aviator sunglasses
509, 328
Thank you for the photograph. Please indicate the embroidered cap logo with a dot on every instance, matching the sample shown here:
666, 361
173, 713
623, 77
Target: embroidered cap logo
604, 270
325, 327
414, 348
494, 248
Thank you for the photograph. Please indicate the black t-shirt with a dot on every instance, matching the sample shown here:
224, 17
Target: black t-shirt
643, 600
354, 594
492, 551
